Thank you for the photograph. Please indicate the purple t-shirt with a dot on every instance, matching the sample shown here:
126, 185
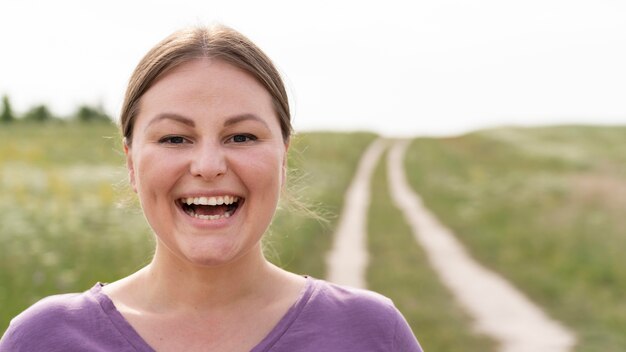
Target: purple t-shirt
326, 317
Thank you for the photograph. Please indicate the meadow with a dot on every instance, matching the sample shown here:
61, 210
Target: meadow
541, 206
68, 218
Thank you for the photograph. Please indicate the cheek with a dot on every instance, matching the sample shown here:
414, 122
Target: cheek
154, 173
262, 174
268, 169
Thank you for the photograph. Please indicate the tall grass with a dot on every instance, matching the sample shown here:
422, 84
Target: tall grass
399, 269
545, 208
62, 223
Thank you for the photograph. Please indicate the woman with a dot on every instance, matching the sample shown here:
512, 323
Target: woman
206, 130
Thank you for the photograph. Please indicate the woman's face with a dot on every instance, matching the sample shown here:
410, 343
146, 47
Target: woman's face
207, 160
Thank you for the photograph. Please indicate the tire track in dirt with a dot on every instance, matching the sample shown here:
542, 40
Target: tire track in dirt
348, 258
498, 309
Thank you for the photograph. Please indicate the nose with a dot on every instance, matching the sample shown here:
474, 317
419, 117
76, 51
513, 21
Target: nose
208, 162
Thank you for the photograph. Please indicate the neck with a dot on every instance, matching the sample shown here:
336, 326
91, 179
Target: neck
171, 284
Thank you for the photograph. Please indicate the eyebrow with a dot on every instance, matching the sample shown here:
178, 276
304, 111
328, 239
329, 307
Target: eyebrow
171, 116
244, 117
189, 122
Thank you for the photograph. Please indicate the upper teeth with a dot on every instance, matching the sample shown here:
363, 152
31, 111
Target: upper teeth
211, 200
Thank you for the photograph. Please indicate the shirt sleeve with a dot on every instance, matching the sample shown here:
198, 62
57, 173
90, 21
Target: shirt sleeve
404, 340
27, 336
64, 323
8, 341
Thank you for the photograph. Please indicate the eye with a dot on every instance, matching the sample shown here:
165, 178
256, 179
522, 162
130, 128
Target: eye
172, 140
242, 138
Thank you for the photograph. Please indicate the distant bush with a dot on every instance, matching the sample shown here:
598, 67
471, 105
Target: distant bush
7, 115
39, 113
86, 113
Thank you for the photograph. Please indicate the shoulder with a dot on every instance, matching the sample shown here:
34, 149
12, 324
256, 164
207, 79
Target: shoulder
49, 310
353, 319
339, 299
50, 319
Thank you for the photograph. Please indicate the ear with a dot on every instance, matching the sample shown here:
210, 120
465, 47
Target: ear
129, 165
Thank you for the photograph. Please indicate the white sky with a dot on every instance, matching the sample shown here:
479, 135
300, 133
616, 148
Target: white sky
393, 67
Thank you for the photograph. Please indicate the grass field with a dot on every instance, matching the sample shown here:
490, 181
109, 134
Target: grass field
63, 226
544, 207
541, 206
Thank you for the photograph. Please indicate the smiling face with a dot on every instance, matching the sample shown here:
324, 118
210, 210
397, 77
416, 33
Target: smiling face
207, 161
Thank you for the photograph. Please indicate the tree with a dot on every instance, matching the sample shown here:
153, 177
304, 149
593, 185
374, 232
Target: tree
7, 115
39, 113
86, 113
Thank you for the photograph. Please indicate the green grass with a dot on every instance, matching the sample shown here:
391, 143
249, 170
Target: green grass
69, 219
544, 207
63, 225
60, 144
399, 269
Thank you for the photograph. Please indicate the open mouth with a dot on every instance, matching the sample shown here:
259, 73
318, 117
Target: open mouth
210, 208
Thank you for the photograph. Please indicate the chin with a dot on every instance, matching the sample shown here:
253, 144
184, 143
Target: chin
215, 257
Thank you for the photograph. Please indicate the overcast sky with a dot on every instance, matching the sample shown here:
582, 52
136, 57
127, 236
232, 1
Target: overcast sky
394, 67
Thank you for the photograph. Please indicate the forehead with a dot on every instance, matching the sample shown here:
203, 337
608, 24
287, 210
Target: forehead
207, 87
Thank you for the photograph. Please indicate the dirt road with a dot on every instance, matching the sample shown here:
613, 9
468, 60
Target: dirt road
499, 310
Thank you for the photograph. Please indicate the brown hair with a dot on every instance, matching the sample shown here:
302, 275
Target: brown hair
215, 42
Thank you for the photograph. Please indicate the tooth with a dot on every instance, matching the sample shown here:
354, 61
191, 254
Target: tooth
219, 200
227, 215
204, 217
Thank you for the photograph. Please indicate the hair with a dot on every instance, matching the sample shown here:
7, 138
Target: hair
216, 42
